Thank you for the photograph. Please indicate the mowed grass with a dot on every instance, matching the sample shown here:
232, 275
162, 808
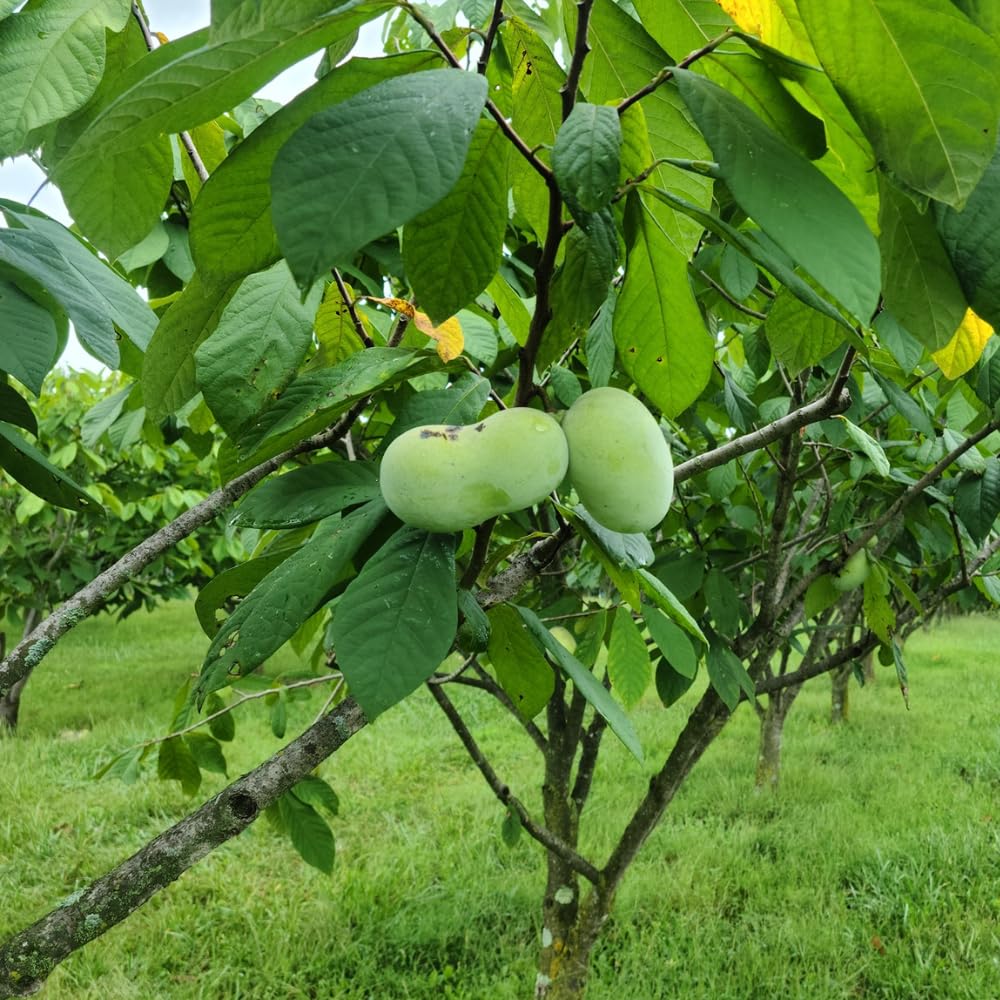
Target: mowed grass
873, 873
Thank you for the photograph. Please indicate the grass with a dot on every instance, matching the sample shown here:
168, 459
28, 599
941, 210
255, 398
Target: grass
874, 873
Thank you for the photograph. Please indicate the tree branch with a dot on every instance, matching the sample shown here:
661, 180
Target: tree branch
30, 956
544, 836
580, 49
352, 309
490, 37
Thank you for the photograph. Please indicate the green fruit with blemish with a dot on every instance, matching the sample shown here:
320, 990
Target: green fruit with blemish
619, 461
853, 573
445, 478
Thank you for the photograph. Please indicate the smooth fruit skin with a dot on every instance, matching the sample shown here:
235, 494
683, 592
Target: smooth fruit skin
619, 461
445, 478
854, 572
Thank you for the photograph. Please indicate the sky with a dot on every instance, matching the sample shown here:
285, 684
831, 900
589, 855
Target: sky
20, 178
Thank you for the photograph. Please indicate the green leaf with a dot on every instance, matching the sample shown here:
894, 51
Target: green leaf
728, 675
53, 58
32, 254
802, 211
879, 616
977, 500
934, 131
919, 283
235, 582
126, 307
672, 643
309, 494
397, 619
310, 833
799, 336
313, 400
658, 592
866, 443
255, 350
175, 762
168, 369
723, 601
315, 792
523, 672
452, 250
224, 726
671, 684
510, 828
629, 550
901, 673
600, 344
586, 157
207, 752
457, 405
279, 716
659, 333
972, 239
289, 595
906, 405
231, 229
395, 149
820, 595
629, 669
14, 407
737, 273
29, 342
36, 474
586, 683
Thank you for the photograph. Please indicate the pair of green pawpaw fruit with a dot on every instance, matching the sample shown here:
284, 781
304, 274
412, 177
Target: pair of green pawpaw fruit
444, 478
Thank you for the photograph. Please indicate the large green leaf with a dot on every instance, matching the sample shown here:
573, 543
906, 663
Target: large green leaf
629, 669
168, 369
28, 340
312, 400
189, 81
586, 157
52, 57
397, 620
977, 500
799, 335
36, 473
236, 582
14, 407
972, 239
452, 251
795, 204
661, 338
289, 595
922, 82
919, 283
585, 682
683, 26
126, 307
231, 229
305, 495
35, 256
257, 346
521, 669
394, 149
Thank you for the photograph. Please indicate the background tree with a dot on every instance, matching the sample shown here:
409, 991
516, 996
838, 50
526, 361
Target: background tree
507, 212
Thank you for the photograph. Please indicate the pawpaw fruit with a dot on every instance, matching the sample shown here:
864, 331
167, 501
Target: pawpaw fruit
853, 573
445, 478
619, 461
564, 637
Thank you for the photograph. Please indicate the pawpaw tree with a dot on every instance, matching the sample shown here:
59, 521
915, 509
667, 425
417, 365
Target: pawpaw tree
773, 224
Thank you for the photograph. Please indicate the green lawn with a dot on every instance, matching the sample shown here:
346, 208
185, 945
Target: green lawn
875, 873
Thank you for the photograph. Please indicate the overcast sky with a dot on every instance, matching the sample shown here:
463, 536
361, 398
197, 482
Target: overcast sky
20, 178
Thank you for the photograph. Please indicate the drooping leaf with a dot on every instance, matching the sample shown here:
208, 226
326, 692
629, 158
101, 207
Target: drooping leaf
934, 130
397, 619
309, 494
965, 347
521, 669
53, 57
207, 752
586, 157
256, 348
878, 612
29, 340
977, 500
629, 668
452, 250
659, 333
671, 641
867, 444
233, 583
724, 603
671, 684
919, 283
37, 474
906, 406
600, 343
795, 205
14, 407
396, 149
174, 762
727, 674
316, 792
309, 832
290, 594
629, 550
798, 335
663, 598
585, 682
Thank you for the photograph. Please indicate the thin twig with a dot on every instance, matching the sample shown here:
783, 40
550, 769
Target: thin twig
352, 311
490, 37
581, 48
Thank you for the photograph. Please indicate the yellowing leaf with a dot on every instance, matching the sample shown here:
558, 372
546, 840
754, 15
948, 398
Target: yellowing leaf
965, 347
773, 23
448, 335
753, 16
398, 305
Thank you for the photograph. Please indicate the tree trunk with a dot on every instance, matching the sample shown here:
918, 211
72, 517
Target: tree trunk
10, 703
840, 688
772, 725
